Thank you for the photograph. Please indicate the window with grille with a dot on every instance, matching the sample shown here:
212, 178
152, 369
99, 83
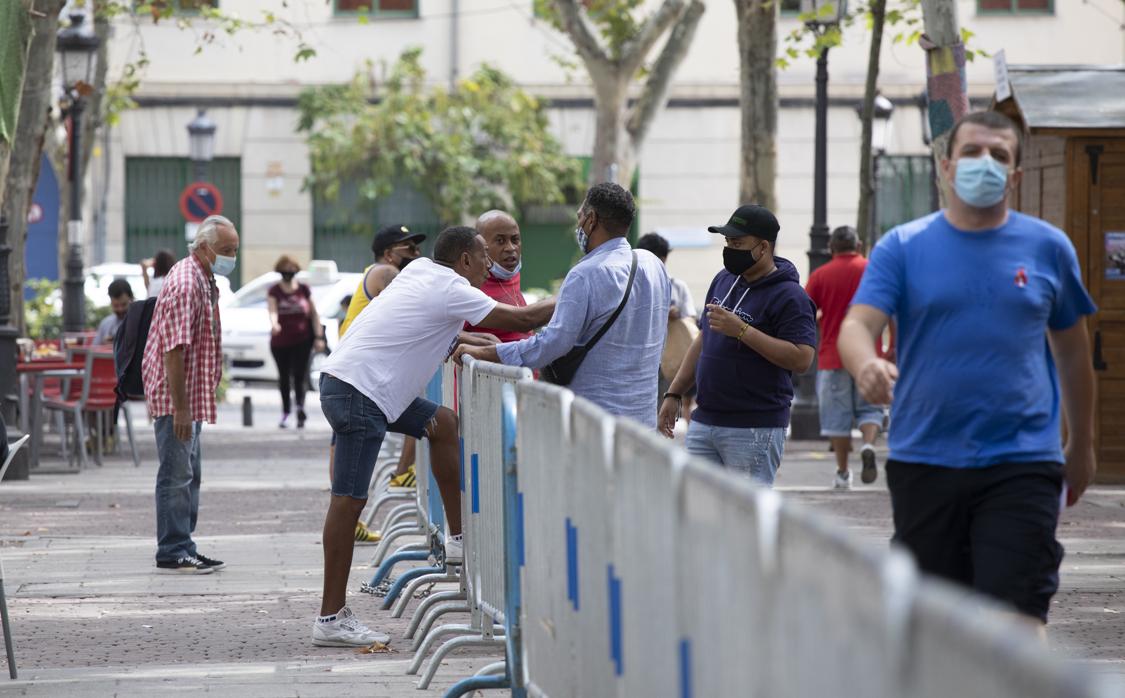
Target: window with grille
790, 7
379, 8
1038, 7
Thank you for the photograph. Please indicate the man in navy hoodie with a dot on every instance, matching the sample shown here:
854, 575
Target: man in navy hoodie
760, 327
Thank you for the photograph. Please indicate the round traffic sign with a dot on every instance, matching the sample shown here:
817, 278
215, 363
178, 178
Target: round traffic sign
199, 200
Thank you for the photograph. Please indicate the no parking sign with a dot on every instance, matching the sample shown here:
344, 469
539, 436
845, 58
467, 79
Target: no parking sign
199, 200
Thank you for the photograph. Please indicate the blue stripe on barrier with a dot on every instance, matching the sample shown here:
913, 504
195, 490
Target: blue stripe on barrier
519, 527
476, 483
572, 563
461, 442
685, 668
615, 653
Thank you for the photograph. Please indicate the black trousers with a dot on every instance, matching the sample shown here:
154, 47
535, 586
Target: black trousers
293, 372
992, 529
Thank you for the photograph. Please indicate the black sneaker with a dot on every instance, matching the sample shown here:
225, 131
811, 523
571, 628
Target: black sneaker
301, 419
185, 565
870, 471
213, 564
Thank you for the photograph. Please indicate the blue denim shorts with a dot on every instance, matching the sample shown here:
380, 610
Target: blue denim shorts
841, 405
360, 427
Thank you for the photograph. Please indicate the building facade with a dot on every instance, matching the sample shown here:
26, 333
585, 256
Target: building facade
688, 168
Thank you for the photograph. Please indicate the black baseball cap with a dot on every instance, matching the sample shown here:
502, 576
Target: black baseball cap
749, 219
393, 235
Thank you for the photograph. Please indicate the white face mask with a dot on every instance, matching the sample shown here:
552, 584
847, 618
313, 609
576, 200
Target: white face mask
503, 274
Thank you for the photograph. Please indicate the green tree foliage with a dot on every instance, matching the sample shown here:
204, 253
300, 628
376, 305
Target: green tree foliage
483, 144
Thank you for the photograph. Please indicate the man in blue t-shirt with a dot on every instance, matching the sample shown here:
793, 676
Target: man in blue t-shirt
759, 327
988, 302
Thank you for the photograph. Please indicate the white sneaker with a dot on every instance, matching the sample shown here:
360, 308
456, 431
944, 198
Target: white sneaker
345, 631
454, 551
843, 482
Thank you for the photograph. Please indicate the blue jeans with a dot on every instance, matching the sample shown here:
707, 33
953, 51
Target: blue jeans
177, 490
753, 451
359, 427
841, 405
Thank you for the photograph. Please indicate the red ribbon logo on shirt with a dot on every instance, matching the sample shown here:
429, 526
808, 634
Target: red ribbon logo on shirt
1021, 277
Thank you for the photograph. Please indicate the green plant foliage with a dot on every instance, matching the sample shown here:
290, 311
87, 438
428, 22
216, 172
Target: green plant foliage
903, 19
484, 144
43, 312
615, 20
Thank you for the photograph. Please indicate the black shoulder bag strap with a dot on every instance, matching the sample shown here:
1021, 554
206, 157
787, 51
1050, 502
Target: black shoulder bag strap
613, 318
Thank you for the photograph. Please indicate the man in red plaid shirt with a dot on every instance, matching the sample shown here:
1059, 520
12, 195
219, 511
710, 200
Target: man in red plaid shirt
181, 369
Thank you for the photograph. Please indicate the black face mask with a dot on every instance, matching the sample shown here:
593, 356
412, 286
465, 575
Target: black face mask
404, 261
738, 262
288, 275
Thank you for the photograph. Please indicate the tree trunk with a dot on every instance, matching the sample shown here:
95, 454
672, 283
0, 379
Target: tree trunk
757, 49
610, 137
945, 74
20, 26
866, 161
27, 153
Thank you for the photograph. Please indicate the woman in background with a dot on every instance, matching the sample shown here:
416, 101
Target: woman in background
160, 264
295, 327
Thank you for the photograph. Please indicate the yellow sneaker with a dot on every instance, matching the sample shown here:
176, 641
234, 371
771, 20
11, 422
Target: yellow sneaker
406, 480
365, 536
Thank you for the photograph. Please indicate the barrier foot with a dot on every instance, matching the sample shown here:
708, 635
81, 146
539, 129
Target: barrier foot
455, 643
412, 589
391, 531
404, 579
461, 606
381, 499
493, 669
390, 562
477, 683
389, 536
429, 640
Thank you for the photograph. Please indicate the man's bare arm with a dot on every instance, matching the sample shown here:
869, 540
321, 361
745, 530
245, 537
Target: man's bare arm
874, 377
177, 388
514, 319
378, 278
1071, 351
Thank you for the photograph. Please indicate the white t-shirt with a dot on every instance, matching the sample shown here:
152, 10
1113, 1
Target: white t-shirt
395, 345
154, 286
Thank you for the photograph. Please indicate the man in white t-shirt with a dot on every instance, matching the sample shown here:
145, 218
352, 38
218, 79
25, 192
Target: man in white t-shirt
371, 383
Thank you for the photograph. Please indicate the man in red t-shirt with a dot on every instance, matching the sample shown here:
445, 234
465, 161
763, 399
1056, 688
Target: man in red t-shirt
831, 287
501, 236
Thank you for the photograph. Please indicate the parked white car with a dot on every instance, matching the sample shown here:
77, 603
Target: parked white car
246, 322
100, 276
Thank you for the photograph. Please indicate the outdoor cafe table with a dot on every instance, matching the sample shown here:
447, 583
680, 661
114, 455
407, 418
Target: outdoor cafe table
31, 418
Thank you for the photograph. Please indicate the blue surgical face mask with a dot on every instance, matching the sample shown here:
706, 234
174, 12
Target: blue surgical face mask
223, 265
503, 274
980, 182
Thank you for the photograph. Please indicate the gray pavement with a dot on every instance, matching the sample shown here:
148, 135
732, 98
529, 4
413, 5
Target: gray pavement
92, 618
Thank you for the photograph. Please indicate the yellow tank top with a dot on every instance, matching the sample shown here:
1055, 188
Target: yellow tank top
359, 302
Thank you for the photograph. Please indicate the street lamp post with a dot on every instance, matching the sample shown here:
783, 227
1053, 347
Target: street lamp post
821, 16
78, 51
201, 144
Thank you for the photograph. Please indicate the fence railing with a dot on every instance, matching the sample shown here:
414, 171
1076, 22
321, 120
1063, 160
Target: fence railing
616, 565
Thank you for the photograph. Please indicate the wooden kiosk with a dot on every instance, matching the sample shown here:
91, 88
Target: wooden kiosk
1074, 177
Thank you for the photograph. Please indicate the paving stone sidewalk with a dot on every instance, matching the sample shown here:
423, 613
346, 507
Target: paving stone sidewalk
92, 618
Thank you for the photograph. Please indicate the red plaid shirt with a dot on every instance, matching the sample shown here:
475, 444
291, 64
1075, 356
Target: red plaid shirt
186, 315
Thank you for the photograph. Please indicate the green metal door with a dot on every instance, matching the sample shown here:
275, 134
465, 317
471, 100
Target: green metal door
152, 204
343, 228
904, 190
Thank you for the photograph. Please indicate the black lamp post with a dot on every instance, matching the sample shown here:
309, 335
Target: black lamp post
78, 54
821, 16
201, 144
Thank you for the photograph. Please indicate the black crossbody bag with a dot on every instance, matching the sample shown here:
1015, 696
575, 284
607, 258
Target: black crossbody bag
561, 371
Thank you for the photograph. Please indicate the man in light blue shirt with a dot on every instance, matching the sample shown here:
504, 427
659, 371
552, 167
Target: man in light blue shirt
620, 373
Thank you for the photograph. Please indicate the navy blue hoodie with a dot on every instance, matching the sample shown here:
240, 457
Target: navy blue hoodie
737, 386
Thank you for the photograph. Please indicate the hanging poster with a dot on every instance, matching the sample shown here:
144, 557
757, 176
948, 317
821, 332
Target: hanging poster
1115, 256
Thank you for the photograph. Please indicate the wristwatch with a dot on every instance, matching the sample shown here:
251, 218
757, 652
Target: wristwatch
674, 396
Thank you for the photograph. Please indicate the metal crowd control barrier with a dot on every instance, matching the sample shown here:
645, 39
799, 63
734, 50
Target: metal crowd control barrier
480, 392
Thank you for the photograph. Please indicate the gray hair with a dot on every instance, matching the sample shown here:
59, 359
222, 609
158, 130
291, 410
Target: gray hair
208, 231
